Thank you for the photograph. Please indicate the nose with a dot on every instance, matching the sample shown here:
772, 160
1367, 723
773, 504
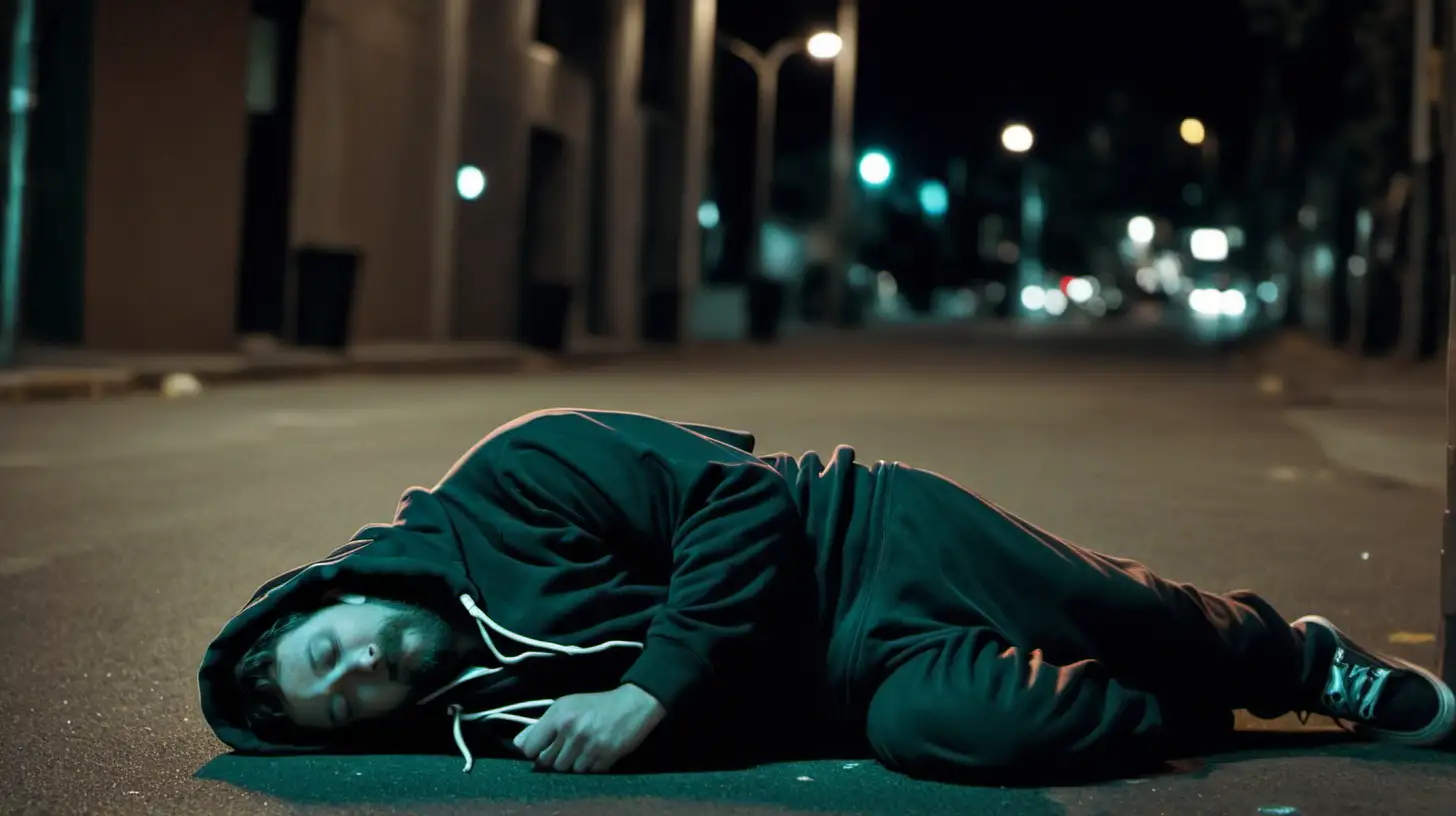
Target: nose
368, 659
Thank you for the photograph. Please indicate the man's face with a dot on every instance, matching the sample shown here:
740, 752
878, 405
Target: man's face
359, 659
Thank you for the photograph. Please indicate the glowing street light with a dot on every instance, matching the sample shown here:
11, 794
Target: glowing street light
1209, 245
1017, 138
708, 215
875, 169
470, 182
766, 65
934, 198
1192, 131
825, 45
1141, 230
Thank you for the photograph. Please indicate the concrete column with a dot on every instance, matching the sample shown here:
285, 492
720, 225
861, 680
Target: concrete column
165, 188
494, 136
698, 41
623, 172
675, 248
453, 46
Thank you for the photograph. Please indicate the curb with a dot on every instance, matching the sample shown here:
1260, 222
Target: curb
52, 384
93, 384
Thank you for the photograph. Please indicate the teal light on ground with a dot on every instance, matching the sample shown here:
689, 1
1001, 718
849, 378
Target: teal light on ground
470, 182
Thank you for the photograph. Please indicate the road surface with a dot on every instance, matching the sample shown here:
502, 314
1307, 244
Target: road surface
133, 528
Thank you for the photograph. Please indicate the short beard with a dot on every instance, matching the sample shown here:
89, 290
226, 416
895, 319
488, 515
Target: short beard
436, 657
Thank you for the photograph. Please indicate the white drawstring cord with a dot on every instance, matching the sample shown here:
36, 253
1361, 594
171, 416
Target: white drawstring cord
502, 713
483, 620
506, 712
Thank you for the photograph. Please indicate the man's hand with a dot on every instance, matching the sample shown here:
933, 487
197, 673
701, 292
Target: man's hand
588, 733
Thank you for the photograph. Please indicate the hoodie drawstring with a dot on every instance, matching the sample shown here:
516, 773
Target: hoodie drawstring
507, 712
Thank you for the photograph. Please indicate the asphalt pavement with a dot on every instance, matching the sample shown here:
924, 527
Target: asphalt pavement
131, 529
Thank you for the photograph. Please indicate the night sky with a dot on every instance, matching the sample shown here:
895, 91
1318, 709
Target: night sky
940, 79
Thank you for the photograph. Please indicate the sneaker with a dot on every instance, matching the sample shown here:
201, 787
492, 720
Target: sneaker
1376, 695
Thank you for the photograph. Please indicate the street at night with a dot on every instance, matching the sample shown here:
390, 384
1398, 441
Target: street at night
135, 527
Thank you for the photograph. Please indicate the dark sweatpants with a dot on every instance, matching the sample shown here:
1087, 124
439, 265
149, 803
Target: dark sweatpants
989, 643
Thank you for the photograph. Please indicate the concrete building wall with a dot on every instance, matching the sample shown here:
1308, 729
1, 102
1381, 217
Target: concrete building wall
559, 98
165, 175
367, 139
493, 137
622, 177
393, 96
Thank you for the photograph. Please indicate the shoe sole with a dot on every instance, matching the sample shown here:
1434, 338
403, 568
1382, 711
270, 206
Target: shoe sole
1441, 726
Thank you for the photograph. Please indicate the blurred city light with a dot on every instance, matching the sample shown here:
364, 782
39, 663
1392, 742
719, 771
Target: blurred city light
1140, 230
1213, 303
708, 215
470, 182
1017, 138
1192, 131
934, 198
1203, 301
1080, 290
1034, 298
825, 45
1267, 291
1209, 245
875, 169
1056, 303
1232, 303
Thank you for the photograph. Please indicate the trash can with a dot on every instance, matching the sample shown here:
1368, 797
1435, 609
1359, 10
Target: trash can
324, 282
545, 308
765, 309
661, 315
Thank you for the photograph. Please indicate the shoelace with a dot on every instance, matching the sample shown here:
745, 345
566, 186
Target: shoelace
1352, 691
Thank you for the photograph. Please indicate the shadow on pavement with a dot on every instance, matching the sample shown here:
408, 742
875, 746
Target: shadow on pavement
435, 784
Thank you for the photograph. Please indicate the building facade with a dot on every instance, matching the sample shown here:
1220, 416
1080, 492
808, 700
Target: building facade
481, 158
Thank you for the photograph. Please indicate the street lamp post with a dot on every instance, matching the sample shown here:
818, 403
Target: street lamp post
766, 65
1195, 133
1018, 139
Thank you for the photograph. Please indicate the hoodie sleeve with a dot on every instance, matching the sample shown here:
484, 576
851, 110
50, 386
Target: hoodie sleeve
729, 520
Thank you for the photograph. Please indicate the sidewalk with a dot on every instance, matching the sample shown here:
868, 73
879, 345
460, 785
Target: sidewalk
48, 373
1383, 418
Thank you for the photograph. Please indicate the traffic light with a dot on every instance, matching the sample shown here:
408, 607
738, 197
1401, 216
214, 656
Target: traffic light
875, 169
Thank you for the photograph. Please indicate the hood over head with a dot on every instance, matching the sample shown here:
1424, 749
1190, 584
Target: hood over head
415, 559
418, 559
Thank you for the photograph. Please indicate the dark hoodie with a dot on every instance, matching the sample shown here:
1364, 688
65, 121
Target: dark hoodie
591, 549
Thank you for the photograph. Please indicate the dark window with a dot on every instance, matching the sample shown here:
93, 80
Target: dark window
572, 27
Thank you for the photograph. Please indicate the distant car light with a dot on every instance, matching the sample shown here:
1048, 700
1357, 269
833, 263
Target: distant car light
1209, 245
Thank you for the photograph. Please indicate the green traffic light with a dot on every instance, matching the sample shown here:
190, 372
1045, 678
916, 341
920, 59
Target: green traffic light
875, 169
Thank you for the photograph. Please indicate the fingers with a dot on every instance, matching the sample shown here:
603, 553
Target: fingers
547, 758
534, 739
573, 747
